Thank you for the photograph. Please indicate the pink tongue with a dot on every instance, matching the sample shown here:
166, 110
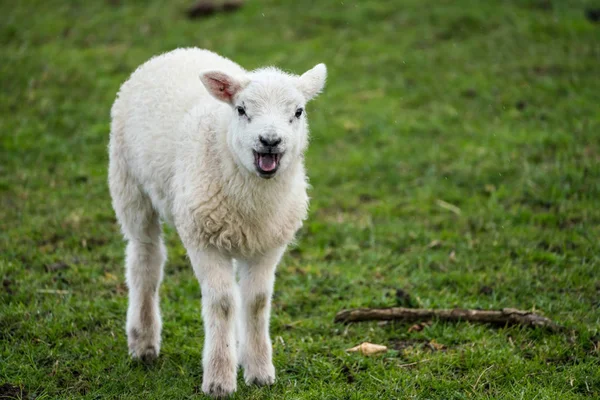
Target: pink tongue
267, 162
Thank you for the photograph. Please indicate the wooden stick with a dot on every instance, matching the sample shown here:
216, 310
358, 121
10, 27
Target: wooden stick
506, 316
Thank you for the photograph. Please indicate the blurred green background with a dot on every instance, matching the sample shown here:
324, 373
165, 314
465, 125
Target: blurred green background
454, 162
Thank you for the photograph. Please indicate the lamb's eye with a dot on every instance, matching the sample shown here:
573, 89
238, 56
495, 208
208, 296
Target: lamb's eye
299, 113
241, 111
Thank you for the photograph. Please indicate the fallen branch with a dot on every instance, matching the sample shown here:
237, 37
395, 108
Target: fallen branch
506, 316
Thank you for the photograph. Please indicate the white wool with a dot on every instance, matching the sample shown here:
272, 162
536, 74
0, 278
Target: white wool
182, 151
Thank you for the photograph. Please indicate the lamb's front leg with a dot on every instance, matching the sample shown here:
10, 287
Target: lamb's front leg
219, 307
257, 276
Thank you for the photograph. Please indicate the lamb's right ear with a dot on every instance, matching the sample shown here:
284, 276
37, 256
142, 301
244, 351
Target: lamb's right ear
222, 86
312, 81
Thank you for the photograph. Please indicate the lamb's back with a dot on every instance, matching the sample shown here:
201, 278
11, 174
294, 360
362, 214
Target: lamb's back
149, 110
153, 101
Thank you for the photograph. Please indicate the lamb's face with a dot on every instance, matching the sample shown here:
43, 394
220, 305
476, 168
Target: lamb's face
268, 130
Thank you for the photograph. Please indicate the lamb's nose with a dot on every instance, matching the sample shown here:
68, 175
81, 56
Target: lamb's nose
270, 141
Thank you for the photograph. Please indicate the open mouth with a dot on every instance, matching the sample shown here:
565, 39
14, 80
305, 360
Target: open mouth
267, 163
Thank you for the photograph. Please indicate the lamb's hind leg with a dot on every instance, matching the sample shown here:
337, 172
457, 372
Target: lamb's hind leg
144, 272
145, 257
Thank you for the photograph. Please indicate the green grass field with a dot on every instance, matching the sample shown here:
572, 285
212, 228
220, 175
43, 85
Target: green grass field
490, 106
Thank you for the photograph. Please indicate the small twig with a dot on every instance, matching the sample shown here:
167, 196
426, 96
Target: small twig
377, 379
447, 206
506, 316
53, 291
413, 363
480, 375
537, 373
294, 323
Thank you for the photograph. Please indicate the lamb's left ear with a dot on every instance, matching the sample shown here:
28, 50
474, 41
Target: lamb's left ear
312, 81
222, 86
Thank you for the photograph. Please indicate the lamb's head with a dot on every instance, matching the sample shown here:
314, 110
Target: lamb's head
268, 131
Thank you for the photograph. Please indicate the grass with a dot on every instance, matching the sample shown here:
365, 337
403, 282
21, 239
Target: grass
492, 107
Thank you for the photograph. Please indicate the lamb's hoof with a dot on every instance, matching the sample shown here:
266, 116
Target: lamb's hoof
149, 354
260, 381
142, 347
218, 389
146, 355
260, 376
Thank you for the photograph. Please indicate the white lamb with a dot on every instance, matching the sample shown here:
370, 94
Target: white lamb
217, 151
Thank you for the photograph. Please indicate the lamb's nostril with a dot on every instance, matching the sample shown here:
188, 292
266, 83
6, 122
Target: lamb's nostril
270, 141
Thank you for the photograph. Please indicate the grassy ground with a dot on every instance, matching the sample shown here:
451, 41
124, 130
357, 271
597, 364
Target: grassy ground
492, 107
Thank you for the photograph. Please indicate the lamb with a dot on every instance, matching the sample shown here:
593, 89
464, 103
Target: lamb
217, 151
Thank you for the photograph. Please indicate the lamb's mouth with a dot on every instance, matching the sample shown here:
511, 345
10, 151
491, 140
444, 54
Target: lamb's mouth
266, 163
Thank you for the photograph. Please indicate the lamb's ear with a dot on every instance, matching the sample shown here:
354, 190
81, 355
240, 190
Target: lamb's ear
312, 81
222, 86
